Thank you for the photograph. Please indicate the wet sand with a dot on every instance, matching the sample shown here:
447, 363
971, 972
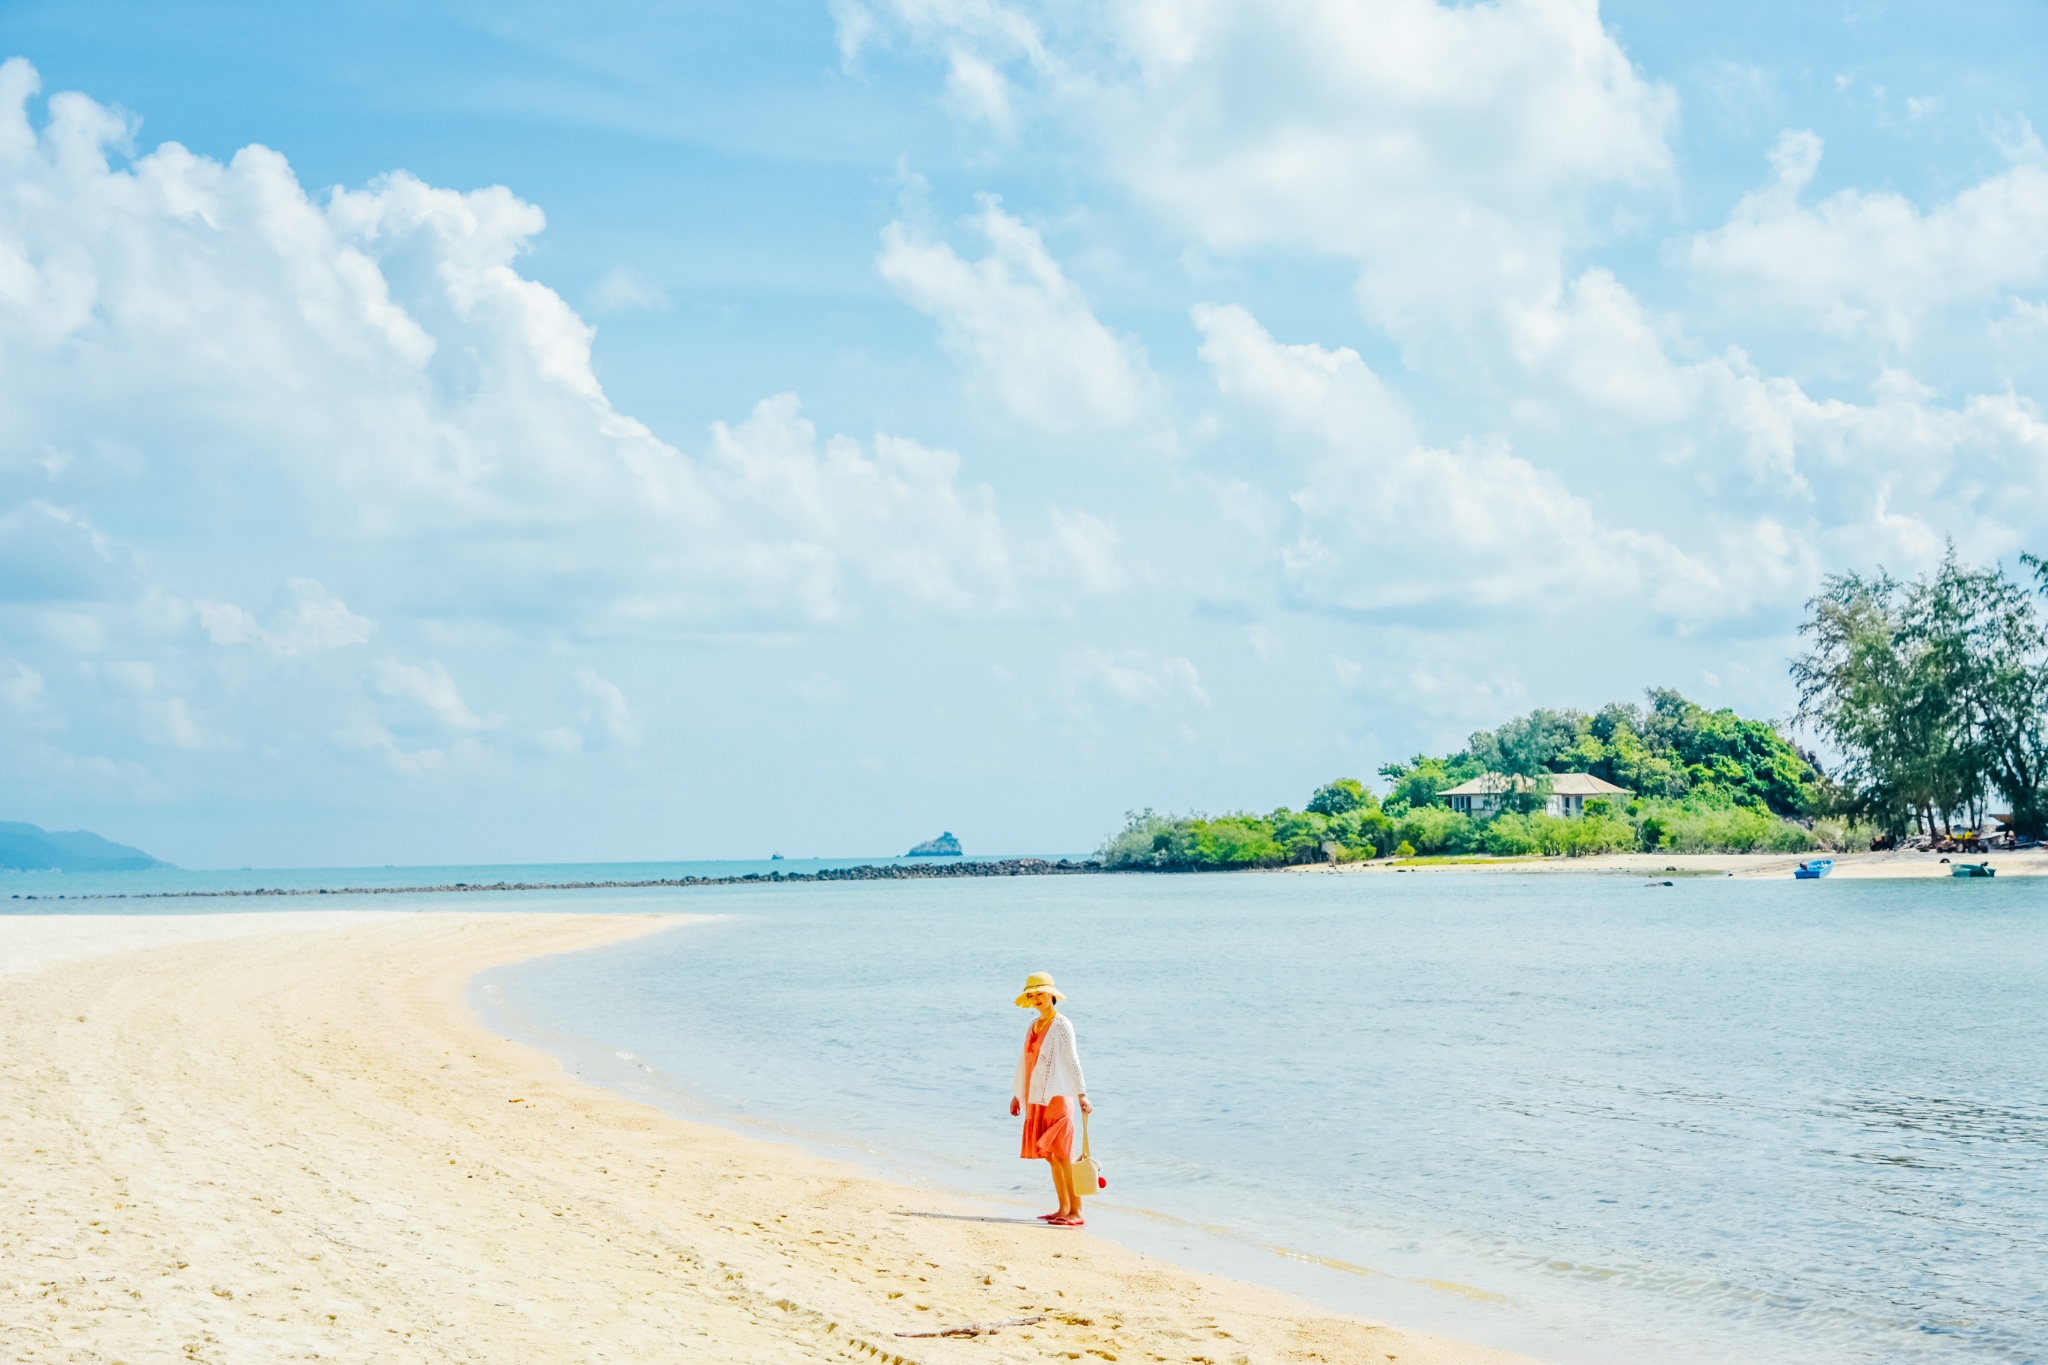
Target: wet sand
284, 1136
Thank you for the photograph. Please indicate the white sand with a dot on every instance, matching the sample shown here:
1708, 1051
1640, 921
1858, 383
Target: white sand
283, 1137
29, 943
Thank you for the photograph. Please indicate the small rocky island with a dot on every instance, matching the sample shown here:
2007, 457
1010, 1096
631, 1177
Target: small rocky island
945, 846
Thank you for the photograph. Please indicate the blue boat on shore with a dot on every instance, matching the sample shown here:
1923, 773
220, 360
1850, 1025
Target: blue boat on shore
1814, 869
1973, 870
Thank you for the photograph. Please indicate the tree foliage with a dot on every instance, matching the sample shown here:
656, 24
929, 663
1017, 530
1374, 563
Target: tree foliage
1670, 749
1340, 797
1419, 781
1700, 781
1934, 691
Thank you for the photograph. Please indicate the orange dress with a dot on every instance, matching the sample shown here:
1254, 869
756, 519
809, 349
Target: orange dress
1048, 1128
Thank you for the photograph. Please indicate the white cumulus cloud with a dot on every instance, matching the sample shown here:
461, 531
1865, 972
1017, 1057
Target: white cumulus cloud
1022, 328
608, 712
428, 691
838, 523
1135, 677
1872, 262
1452, 151
1386, 521
315, 621
372, 366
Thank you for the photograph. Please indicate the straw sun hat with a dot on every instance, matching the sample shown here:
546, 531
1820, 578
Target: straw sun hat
1036, 983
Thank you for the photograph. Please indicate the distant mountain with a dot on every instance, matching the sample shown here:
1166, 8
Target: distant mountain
945, 846
27, 848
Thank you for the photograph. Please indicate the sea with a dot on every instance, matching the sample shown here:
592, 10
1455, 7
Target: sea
1599, 1119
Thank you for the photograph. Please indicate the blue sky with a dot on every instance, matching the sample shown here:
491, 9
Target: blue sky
445, 433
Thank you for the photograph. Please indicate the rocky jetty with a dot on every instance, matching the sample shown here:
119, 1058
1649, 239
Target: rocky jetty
885, 872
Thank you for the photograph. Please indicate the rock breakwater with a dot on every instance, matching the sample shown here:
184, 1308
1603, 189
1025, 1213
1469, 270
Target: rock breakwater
868, 872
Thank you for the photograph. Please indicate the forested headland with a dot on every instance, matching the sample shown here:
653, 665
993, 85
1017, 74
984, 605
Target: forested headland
1931, 694
1699, 781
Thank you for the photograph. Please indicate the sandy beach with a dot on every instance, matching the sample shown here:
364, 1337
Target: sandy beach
2031, 862
284, 1136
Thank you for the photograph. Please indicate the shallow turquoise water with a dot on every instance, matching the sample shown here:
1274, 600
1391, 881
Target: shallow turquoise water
1722, 1120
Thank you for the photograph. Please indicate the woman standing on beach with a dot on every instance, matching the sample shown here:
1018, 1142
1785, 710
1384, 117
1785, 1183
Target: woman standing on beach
1047, 1085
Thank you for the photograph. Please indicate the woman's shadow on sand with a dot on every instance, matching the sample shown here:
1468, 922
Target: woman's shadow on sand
976, 1218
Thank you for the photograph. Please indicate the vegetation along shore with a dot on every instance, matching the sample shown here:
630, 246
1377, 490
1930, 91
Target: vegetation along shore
1934, 694
1688, 779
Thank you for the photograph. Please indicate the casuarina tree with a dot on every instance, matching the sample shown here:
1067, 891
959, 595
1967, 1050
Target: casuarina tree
1934, 693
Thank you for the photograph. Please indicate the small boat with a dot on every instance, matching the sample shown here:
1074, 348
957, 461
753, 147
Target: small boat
1973, 870
1814, 869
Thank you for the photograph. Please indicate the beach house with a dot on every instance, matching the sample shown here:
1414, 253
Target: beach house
1569, 793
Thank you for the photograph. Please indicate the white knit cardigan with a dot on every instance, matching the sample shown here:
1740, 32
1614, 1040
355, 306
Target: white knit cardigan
1058, 1071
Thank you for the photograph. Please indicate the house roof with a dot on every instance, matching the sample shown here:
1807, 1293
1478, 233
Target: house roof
1561, 784
1488, 784
1584, 784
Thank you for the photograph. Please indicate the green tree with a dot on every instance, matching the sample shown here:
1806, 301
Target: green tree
1419, 781
1613, 748
1985, 640
1437, 829
1858, 686
1236, 841
1299, 836
1341, 797
1934, 692
1699, 779
1527, 746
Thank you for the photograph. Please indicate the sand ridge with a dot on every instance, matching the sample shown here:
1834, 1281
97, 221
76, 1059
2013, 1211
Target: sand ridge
302, 1145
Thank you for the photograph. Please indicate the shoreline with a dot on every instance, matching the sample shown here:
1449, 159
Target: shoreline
296, 1138
1889, 865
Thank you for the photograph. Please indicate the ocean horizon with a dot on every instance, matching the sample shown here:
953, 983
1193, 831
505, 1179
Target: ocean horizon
169, 881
